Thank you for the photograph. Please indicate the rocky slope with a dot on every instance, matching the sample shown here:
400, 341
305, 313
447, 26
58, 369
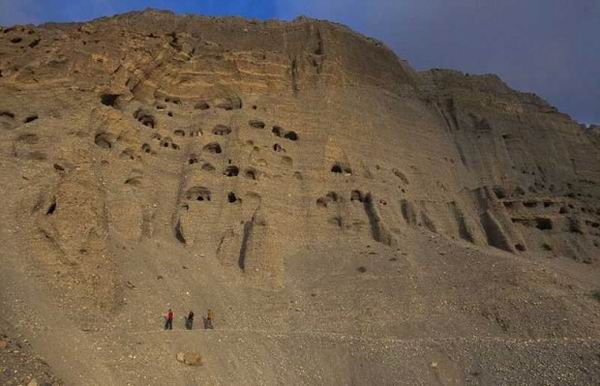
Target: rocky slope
348, 219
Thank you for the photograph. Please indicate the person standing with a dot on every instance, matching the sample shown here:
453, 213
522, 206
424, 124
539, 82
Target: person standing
169, 320
189, 321
208, 323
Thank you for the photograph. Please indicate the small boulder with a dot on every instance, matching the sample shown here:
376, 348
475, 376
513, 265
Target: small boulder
189, 358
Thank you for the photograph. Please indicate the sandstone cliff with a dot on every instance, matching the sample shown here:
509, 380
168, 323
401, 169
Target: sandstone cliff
309, 186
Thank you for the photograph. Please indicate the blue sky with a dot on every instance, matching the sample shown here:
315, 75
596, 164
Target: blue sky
550, 47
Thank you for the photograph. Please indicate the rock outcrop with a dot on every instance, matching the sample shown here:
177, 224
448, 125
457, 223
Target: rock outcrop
264, 157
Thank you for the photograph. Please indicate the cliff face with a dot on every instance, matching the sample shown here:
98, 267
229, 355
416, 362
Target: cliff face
538, 163
304, 182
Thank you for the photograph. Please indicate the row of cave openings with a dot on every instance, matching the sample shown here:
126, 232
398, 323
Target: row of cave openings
333, 197
147, 119
203, 194
230, 170
167, 142
278, 131
211, 148
219, 129
11, 116
564, 208
20, 39
230, 103
544, 223
344, 169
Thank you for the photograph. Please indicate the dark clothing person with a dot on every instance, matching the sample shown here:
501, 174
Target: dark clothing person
189, 321
169, 322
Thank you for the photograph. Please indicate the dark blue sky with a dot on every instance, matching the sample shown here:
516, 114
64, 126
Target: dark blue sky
550, 47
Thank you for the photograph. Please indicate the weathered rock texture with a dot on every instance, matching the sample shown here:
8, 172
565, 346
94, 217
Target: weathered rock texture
350, 220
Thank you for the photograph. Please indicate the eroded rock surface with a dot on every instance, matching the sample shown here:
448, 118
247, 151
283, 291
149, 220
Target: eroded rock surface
308, 185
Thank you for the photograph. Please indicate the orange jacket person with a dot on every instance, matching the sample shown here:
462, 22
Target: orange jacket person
169, 320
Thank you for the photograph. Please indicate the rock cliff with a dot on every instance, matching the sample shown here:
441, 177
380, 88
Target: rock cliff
351, 220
